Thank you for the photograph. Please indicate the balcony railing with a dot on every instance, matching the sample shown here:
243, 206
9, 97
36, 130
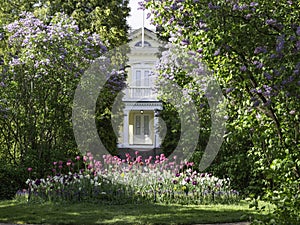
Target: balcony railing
140, 93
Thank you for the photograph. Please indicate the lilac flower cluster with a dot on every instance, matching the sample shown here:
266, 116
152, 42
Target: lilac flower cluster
260, 49
43, 45
187, 32
58, 47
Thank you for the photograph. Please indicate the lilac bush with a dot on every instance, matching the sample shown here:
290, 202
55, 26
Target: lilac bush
43, 64
252, 47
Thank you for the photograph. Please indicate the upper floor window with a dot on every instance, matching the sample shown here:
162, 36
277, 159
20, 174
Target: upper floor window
139, 44
141, 77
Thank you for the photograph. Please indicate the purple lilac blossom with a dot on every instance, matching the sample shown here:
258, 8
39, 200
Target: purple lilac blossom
253, 4
271, 22
268, 76
248, 16
258, 64
260, 49
298, 45
256, 103
243, 68
217, 52
30, 31
239, 7
298, 31
280, 43
185, 42
228, 90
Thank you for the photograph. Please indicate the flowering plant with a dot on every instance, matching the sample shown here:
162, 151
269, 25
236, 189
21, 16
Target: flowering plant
133, 180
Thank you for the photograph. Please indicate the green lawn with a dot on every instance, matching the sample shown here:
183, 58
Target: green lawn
84, 213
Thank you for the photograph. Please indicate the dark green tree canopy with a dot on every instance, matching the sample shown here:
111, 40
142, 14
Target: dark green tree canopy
253, 49
106, 18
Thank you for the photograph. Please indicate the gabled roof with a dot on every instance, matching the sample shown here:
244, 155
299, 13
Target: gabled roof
138, 32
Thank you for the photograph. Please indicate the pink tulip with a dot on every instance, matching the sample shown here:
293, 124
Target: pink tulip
90, 166
85, 158
139, 159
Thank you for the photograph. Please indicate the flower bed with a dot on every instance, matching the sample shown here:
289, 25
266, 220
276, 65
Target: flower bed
131, 180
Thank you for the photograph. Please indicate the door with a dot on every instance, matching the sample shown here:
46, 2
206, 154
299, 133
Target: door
141, 131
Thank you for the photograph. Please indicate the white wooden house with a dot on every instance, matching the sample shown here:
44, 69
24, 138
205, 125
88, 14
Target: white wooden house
139, 129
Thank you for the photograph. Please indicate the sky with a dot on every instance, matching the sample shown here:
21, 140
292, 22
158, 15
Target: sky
135, 21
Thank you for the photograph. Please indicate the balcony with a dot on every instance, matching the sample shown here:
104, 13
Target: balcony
140, 94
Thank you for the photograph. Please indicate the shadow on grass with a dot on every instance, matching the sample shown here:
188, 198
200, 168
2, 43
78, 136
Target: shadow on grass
87, 213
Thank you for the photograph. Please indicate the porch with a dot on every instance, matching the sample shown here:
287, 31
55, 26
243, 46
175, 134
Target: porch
139, 129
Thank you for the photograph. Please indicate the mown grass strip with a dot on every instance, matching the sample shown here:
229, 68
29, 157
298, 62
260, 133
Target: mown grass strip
87, 213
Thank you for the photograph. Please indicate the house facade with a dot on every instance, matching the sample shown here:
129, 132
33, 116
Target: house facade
139, 128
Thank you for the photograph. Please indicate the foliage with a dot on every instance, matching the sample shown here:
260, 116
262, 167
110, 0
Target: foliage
11, 180
130, 180
106, 18
253, 50
172, 133
41, 72
42, 66
188, 89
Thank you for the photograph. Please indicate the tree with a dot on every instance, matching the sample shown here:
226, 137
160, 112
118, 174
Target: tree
106, 18
253, 49
35, 113
41, 70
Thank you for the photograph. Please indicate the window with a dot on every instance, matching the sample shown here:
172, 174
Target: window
141, 78
138, 78
142, 125
137, 125
146, 78
141, 83
146, 125
139, 44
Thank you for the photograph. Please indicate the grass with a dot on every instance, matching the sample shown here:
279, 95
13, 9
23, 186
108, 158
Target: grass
88, 213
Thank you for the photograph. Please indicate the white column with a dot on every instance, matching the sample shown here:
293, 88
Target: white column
126, 129
156, 135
